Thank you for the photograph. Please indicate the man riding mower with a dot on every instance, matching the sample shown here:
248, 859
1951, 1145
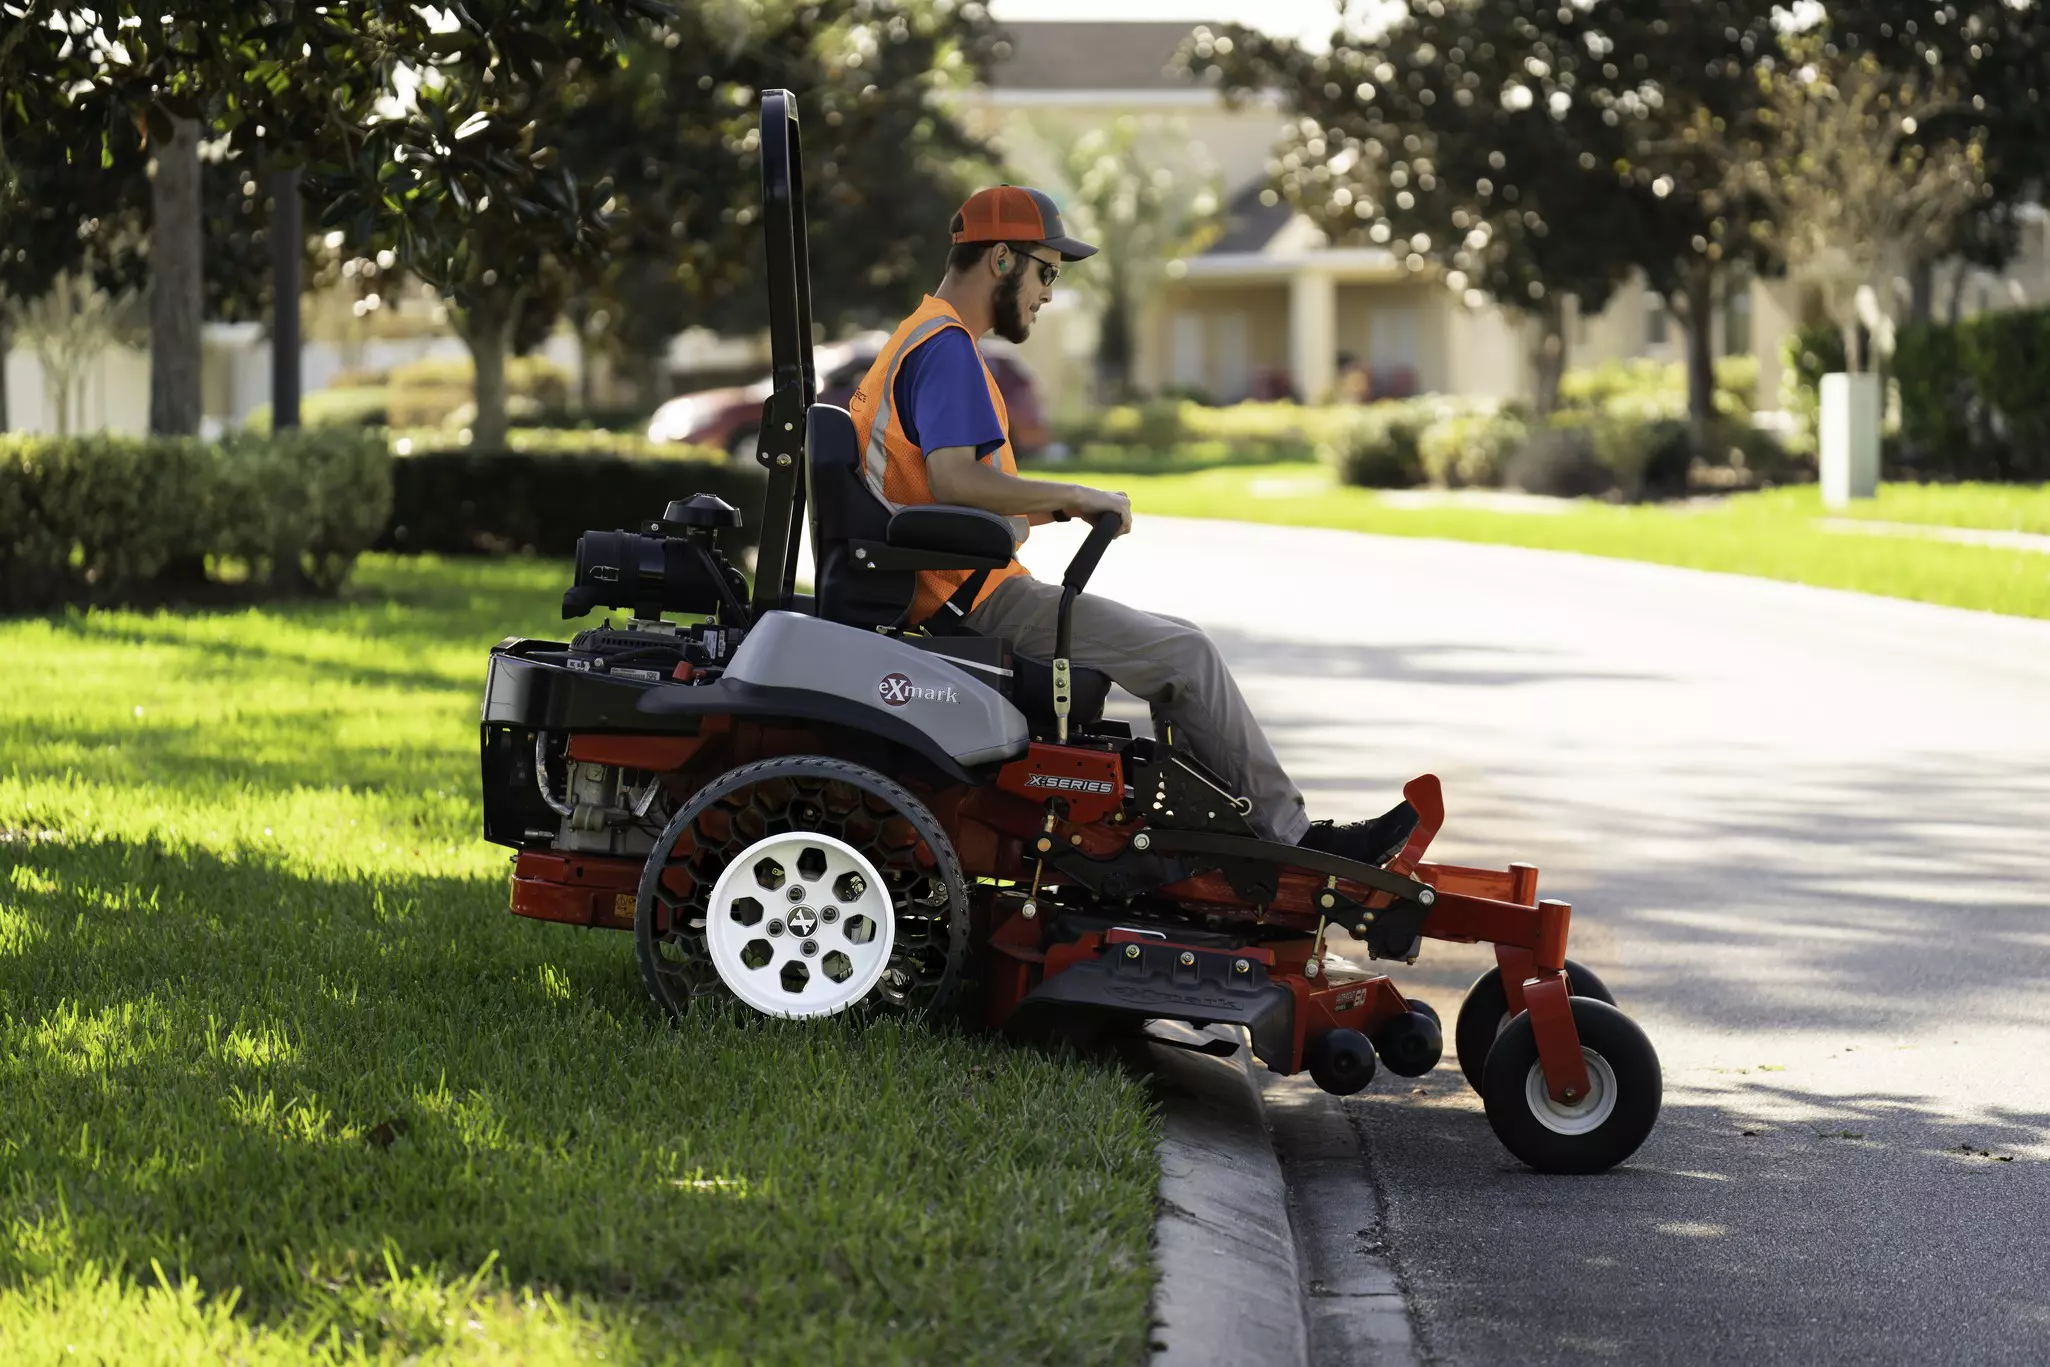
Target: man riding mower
903, 786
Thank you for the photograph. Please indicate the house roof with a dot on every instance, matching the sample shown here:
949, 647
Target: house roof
1249, 225
1089, 55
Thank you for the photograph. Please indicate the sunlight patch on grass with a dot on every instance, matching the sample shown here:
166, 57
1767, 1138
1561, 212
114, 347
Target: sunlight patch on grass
266, 1024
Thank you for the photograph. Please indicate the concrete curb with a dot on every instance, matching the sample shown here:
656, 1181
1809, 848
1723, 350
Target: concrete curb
1229, 1289
1356, 1313
1268, 1242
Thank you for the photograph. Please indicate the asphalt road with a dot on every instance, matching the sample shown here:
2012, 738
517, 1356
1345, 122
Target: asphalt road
1806, 836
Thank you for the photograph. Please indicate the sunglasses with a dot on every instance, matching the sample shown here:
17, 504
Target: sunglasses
1048, 271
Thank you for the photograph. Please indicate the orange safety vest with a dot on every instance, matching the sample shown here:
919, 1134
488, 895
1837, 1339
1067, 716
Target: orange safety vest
894, 464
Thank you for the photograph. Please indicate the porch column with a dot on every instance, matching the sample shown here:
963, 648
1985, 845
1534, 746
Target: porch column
1313, 334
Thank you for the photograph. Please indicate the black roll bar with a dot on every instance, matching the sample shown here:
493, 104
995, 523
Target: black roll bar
780, 448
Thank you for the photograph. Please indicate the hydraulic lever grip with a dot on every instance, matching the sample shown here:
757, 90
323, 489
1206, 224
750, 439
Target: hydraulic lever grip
1106, 528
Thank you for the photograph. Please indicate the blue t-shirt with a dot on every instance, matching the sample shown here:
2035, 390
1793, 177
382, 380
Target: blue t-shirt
942, 396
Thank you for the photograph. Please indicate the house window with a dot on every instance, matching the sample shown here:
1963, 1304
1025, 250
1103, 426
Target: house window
1654, 320
1737, 320
1185, 351
1234, 357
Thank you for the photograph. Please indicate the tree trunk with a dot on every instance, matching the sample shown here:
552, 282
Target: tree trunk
1957, 294
1921, 290
587, 368
6, 345
487, 328
1548, 357
56, 395
1699, 322
177, 300
1114, 347
288, 248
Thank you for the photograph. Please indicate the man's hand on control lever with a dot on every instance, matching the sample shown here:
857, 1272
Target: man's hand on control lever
957, 476
1089, 503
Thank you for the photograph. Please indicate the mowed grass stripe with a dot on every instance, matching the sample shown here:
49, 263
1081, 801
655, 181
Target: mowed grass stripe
280, 1078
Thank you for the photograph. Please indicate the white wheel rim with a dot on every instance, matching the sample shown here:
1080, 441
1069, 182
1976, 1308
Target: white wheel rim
757, 932
1583, 1116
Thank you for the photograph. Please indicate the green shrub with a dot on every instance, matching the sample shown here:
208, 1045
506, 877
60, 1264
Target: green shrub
1743, 456
428, 393
2006, 356
1736, 385
1647, 388
1559, 459
1158, 424
1183, 457
1171, 433
1649, 459
626, 419
468, 501
566, 440
1974, 396
1808, 354
1379, 445
1469, 450
343, 406
106, 519
1942, 426
304, 498
1580, 454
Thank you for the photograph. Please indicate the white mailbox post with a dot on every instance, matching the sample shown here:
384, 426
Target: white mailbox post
1850, 438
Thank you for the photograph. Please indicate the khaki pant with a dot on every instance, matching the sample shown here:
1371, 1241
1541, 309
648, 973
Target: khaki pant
1172, 665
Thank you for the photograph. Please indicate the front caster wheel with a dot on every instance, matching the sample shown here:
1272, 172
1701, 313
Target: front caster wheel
1341, 1061
1485, 1014
1604, 1127
1411, 1044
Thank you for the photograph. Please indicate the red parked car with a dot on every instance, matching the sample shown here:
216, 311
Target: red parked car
727, 418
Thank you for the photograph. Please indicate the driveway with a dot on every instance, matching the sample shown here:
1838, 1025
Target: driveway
1806, 836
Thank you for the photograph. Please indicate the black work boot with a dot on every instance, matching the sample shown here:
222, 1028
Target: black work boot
1366, 842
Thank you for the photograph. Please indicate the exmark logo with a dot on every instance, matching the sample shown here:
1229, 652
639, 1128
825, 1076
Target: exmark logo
897, 690
1063, 784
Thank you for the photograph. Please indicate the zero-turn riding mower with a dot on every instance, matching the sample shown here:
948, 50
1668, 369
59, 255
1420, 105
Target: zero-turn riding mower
796, 802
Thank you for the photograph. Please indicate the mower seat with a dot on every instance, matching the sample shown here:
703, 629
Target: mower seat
843, 509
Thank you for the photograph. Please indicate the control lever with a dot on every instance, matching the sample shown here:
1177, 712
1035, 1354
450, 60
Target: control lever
1106, 528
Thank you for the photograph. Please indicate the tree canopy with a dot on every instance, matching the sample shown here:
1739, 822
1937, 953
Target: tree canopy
1528, 149
516, 155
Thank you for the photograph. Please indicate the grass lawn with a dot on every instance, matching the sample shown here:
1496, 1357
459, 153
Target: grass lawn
281, 1079
1776, 534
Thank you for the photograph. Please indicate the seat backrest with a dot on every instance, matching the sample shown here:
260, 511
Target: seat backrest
843, 508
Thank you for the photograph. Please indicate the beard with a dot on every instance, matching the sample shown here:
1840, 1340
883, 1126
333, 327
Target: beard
1011, 323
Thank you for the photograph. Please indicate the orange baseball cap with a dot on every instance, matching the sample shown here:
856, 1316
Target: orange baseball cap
1012, 213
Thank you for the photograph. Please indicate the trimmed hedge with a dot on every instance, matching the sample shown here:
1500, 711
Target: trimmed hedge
107, 519
2004, 365
428, 393
351, 405
468, 501
1259, 432
1974, 395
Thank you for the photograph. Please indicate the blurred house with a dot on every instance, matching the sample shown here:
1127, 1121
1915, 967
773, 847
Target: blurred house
1270, 309
1266, 309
